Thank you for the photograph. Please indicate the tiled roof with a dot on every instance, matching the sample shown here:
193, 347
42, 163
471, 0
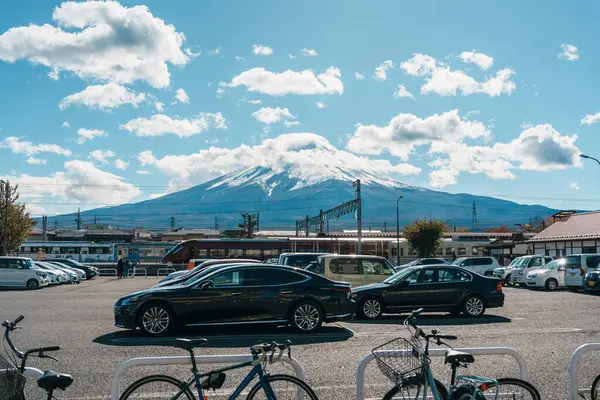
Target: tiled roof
579, 226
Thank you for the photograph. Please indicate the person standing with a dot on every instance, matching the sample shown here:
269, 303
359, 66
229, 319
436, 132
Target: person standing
127, 264
120, 267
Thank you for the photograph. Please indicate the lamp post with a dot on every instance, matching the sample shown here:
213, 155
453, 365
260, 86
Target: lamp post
398, 230
589, 158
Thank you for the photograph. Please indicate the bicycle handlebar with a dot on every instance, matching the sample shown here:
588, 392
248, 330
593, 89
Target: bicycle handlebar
264, 348
419, 332
11, 326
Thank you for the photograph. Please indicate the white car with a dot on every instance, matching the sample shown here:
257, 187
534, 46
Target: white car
71, 275
80, 273
482, 265
551, 276
21, 272
525, 266
55, 277
504, 273
578, 265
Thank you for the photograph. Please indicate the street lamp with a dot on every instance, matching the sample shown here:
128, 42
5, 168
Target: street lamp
589, 158
398, 230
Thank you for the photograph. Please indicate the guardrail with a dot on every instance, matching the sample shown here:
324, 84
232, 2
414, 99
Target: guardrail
574, 369
476, 351
140, 272
115, 389
107, 272
166, 271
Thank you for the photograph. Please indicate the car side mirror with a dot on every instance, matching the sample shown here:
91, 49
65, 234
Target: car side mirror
206, 285
404, 283
561, 268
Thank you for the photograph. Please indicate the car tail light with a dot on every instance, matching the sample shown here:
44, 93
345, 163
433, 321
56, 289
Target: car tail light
499, 287
343, 289
581, 271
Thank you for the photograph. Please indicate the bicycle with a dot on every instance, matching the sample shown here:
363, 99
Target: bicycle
216, 378
411, 371
595, 389
13, 376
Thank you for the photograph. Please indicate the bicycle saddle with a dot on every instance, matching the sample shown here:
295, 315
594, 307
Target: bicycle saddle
189, 344
54, 380
453, 356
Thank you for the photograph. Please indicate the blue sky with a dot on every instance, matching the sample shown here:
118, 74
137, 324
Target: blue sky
520, 75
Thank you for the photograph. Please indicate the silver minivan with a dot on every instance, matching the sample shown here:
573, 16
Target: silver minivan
21, 272
358, 270
577, 266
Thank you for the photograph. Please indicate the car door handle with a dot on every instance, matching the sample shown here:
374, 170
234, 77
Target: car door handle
285, 292
237, 293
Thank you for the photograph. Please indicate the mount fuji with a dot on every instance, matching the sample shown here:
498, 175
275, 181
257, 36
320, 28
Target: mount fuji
284, 195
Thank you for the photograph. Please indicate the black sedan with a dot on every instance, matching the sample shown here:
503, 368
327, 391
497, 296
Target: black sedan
90, 272
591, 282
432, 287
239, 294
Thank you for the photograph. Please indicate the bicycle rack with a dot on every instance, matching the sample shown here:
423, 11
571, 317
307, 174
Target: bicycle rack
140, 272
574, 369
476, 351
165, 271
115, 389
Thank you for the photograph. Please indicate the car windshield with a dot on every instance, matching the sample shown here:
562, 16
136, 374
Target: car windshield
31, 264
515, 262
458, 261
398, 276
554, 264
522, 263
192, 280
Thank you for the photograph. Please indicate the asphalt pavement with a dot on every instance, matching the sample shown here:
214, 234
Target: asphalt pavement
544, 327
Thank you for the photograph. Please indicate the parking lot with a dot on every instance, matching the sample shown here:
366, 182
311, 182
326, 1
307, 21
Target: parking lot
544, 327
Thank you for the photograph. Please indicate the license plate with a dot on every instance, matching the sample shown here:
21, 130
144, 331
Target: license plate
591, 283
572, 274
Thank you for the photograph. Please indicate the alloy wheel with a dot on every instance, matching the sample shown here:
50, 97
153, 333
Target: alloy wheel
32, 284
551, 284
155, 320
307, 317
371, 308
474, 306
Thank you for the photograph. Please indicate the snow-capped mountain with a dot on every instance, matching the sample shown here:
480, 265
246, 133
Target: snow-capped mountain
284, 196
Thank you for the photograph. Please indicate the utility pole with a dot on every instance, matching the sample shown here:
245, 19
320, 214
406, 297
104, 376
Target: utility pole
95, 220
216, 224
358, 217
384, 226
321, 221
55, 224
244, 230
398, 230
172, 222
257, 222
44, 228
249, 232
307, 226
474, 224
6, 210
78, 219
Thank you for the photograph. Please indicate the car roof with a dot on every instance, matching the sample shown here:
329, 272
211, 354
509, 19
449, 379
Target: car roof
304, 254
352, 256
16, 258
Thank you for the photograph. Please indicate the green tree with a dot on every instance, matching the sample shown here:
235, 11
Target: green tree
15, 221
425, 236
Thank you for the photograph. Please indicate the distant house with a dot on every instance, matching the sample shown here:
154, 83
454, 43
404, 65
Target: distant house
571, 233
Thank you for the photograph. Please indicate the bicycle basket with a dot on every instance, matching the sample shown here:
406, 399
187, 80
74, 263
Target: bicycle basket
12, 382
399, 359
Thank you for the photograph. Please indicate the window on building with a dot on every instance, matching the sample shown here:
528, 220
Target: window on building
588, 249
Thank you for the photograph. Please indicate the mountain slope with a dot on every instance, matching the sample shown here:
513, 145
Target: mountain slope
282, 198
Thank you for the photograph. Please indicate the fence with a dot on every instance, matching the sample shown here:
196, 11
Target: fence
362, 367
107, 272
574, 390
115, 389
164, 271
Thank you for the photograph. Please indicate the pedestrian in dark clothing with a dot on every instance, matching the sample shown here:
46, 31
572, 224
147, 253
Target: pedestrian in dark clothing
120, 266
126, 268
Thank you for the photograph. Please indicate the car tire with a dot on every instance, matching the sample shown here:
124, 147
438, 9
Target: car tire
32, 284
306, 316
370, 308
474, 306
522, 285
551, 284
507, 280
573, 288
156, 319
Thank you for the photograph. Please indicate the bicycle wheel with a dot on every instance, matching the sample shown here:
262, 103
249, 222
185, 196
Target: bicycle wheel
513, 389
157, 387
284, 387
412, 388
596, 388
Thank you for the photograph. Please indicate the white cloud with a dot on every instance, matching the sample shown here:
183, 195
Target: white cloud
17, 146
103, 97
36, 161
309, 52
381, 71
291, 123
102, 155
290, 82
181, 96
569, 52
260, 50
574, 185
160, 124
66, 124
159, 106
89, 134
190, 53
358, 76
320, 104
255, 101
291, 56
81, 181
102, 40
401, 91
440, 79
590, 119
483, 61
215, 52
120, 164
220, 92
240, 59
142, 172
306, 156
268, 115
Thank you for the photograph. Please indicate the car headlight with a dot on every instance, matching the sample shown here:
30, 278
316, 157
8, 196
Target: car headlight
131, 300
520, 272
41, 274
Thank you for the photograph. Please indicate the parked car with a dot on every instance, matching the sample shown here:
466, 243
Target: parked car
72, 276
525, 266
176, 278
578, 265
358, 270
592, 281
239, 294
21, 272
194, 262
300, 260
55, 276
551, 276
433, 288
90, 271
504, 273
80, 273
482, 265
423, 261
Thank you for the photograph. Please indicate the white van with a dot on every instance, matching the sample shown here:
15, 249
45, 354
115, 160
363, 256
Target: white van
526, 265
358, 270
482, 265
21, 272
577, 266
